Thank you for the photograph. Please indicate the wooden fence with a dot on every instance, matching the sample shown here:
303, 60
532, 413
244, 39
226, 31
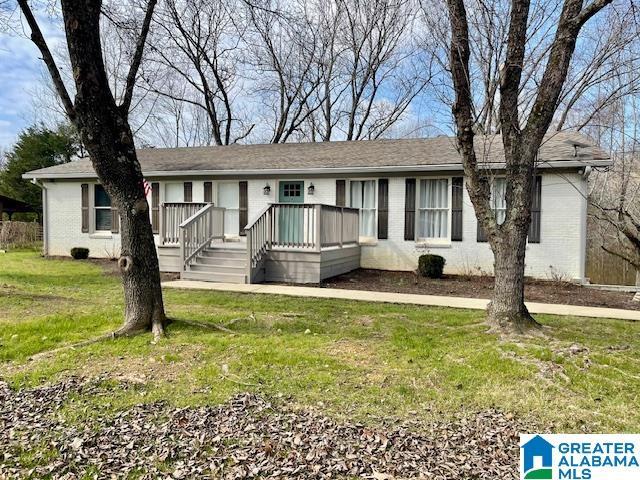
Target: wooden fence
19, 234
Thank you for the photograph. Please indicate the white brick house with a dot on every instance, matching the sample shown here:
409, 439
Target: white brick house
402, 198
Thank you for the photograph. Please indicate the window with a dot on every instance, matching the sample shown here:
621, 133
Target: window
229, 198
174, 192
363, 196
292, 190
498, 199
434, 209
102, 209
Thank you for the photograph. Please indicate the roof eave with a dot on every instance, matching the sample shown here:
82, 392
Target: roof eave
321, 171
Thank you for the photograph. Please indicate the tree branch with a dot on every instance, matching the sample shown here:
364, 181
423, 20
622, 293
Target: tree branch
38, 39
137, 57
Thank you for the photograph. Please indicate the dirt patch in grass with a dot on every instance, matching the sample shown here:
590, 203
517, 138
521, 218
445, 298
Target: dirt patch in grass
15, 294
479, 287
110, 267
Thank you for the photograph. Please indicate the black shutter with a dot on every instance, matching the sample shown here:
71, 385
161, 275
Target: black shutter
115, 219
457, 185
481, 236
208, 192
536, 204
84, 189
410, 209
341, 188
243, 207
188, 192
383, 208
155, 207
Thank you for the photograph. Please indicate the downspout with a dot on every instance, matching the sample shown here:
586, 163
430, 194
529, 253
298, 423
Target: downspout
45, 217
585, 173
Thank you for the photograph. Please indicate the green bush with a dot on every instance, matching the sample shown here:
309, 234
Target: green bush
80, 253
431, 266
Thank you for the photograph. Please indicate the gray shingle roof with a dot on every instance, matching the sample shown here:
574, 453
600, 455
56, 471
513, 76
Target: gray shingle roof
380, 155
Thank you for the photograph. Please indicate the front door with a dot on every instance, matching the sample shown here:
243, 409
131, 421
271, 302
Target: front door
291, 219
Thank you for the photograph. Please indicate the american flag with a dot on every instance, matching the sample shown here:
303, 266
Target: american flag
147, 187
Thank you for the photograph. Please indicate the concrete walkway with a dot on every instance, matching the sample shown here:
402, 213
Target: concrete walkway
405, 298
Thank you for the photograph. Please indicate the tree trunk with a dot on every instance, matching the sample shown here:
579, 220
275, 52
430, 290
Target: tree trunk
138, 262
104, 129
636, 297
507, 311
105, 132
144, 308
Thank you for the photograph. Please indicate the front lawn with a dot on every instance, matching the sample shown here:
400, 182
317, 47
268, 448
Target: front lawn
350, 360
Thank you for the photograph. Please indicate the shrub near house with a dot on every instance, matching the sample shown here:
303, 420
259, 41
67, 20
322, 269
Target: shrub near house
431, 266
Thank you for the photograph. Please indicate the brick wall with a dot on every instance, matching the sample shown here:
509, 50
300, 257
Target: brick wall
562, 246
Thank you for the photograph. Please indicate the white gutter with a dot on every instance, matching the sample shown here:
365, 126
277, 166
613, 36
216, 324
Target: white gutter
323, 170
45, 217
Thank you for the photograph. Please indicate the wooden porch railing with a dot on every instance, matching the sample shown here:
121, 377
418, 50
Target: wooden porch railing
171, 216
199, 230
304, 226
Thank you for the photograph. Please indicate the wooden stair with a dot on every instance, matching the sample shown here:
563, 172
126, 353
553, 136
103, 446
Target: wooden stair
224, 264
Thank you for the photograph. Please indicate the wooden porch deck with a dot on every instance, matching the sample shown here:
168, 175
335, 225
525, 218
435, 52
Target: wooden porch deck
296, 243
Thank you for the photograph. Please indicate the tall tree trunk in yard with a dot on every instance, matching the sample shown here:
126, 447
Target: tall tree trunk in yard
105, 131
507, 311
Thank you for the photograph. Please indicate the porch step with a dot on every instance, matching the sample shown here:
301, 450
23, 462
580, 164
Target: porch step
219, 264
218, 277
226, 253
213, 268
222, 261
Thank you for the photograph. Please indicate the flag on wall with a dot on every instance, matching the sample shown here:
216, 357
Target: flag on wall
147, 187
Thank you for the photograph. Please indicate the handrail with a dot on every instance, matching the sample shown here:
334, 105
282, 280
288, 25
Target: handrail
198, 231
257, 217
172, 215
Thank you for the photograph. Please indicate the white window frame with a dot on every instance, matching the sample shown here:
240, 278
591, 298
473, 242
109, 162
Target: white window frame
374, 238
94, 208
433, 240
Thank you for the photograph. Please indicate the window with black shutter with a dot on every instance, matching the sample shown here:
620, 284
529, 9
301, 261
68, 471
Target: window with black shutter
84, 192
410, 209
188, 192
536, 209
457, 191
341, 190
243, 206
155, 207
383, 208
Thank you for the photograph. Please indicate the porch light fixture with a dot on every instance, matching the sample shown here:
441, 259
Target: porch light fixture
311, 189
267, 189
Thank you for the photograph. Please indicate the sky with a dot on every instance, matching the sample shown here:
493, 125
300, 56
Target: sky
22, 74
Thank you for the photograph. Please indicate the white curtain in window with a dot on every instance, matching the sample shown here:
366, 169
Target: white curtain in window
499, 199
434, 208
363, 196
229, 198
174, 192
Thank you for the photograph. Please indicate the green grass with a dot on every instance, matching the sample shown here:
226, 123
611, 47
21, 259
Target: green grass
360, 360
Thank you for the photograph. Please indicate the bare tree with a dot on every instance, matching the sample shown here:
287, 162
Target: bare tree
585, 90
104, 128
285, 56
615, 193
198, 52
521, 139
615, 203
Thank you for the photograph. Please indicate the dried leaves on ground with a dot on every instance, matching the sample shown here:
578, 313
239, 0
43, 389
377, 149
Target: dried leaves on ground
245, 438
